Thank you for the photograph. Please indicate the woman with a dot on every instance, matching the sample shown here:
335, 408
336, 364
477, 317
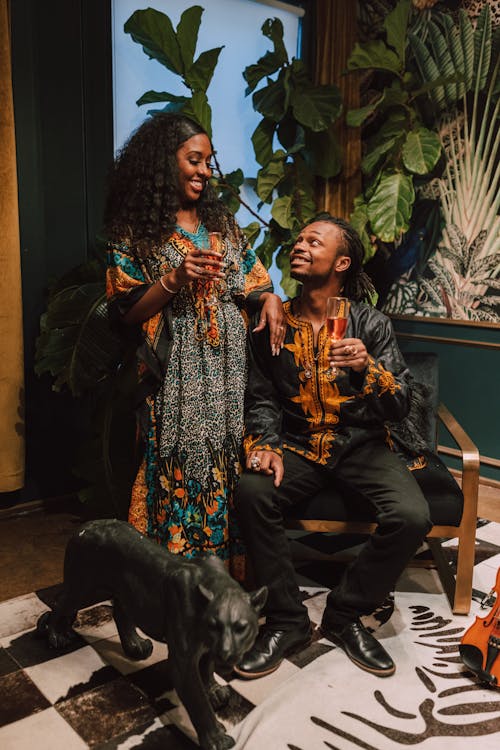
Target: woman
159, 211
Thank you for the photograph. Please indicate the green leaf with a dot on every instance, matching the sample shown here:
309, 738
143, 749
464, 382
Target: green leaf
201, 72
199, 110
187, 33
421, 151
229, 189
455, 47
289, 132
322, 153
290, 286
273, 29
374, 54
267, 248
262, 139
271, 61
271, 100
396, 24
316, 107
266, 66
394, 126
282, 212
375, 154
429, 71
482, 47
161, 96
303, 206
359, 220
390, 207
356, 117
251, 232
467, 38
76, 344
154, 31
269, 176
444, 62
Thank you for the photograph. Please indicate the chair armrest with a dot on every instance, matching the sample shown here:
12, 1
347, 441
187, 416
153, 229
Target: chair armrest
470, 463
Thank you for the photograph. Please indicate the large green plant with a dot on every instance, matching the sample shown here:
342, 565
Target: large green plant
297, 117
79, 350
401, 147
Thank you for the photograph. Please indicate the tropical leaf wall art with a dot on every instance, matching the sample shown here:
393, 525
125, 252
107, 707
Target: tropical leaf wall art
461, 280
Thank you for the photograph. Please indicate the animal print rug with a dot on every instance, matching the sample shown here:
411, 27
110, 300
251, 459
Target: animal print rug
93, 697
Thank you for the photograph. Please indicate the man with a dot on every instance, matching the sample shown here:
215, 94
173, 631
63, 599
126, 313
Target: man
306, 429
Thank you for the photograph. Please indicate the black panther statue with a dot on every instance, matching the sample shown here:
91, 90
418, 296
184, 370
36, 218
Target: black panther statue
192, 605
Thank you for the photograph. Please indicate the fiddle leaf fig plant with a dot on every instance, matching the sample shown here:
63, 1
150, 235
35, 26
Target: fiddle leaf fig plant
401, 148
294, 144
175, 50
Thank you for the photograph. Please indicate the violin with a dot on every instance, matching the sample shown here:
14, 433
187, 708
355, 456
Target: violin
480, 644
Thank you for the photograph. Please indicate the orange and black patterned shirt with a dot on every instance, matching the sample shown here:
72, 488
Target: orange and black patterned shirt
293, 402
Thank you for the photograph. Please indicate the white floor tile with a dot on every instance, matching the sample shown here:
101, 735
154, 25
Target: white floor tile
111, 651
54, 678
43, 731
20, 614
258, 690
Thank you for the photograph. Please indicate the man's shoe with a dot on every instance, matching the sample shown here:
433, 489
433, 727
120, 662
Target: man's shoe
269, 650
361, 647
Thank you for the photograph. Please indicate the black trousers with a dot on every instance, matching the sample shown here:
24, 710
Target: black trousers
402, 513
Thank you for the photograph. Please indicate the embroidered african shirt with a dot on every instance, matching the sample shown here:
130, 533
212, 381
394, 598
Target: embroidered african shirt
192, 372
292, 402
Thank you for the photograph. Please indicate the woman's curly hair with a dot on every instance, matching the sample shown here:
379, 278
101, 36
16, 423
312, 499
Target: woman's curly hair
357, 284
143, 189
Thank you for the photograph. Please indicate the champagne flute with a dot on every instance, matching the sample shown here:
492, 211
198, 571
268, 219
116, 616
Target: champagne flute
337, 315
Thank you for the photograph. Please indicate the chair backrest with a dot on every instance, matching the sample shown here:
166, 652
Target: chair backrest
424, 367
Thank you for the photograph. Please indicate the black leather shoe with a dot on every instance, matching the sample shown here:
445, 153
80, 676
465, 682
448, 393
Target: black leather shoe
361, 647
269, 650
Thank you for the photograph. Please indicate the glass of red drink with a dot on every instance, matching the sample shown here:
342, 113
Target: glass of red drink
337, 315
213, 244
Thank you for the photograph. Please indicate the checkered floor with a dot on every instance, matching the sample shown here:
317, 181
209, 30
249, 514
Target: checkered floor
93, 696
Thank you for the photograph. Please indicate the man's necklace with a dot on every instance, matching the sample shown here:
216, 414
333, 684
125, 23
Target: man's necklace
304, 359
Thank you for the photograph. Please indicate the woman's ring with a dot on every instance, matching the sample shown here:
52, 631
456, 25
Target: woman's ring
350, 351
255, 462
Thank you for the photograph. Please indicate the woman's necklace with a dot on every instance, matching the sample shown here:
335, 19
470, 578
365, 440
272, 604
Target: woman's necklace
189, 223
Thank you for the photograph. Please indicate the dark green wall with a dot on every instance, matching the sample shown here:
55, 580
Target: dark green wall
469, 367
62, 82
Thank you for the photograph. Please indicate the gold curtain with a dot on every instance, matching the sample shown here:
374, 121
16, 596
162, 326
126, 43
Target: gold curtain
336, 33
11, 333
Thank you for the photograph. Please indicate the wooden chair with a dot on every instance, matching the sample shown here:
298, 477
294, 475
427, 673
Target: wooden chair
453, 510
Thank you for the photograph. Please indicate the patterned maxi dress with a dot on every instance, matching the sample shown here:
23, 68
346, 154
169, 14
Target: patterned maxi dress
192, 371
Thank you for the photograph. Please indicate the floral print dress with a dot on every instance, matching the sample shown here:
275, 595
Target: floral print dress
192, 372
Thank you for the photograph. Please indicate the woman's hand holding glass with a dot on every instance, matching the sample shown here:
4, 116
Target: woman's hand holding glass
198, 265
